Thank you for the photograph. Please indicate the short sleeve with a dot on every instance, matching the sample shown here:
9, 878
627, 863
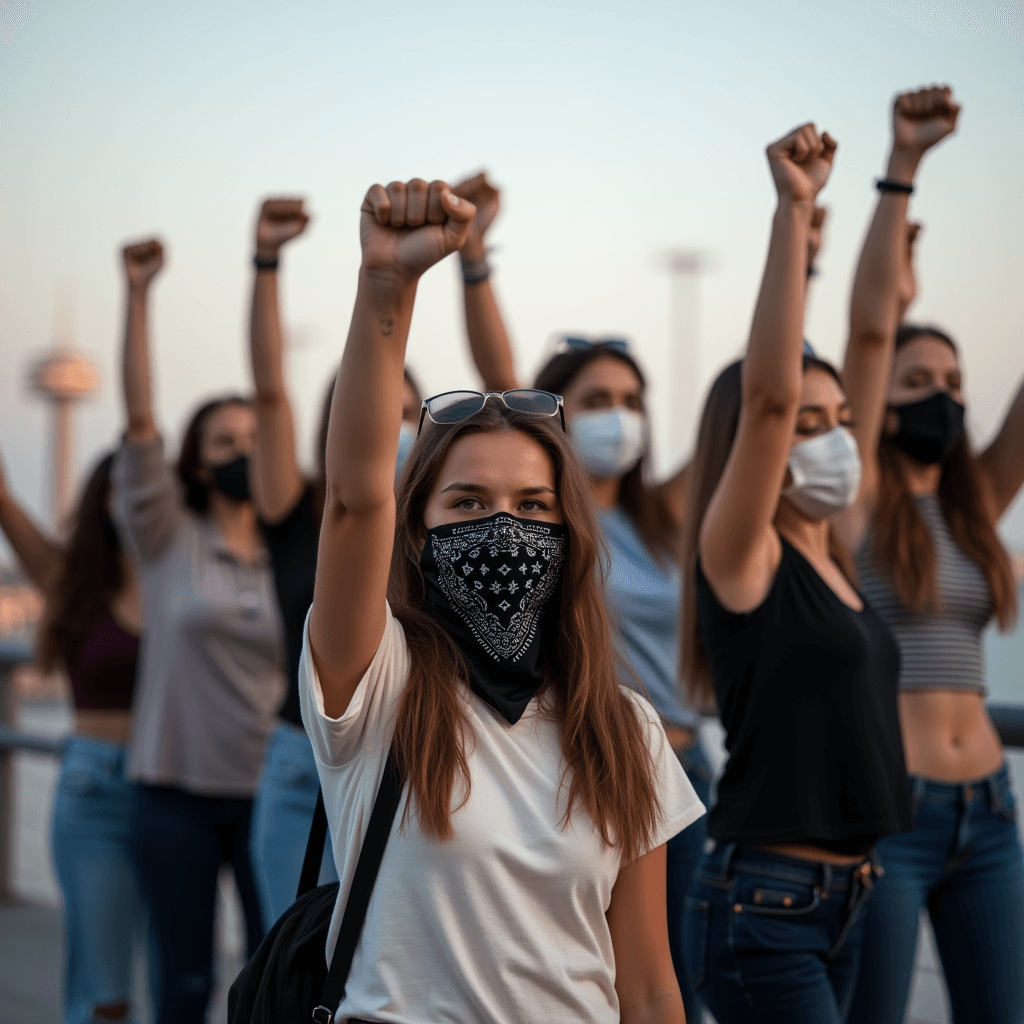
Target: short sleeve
369, 718
147, 503
680, 805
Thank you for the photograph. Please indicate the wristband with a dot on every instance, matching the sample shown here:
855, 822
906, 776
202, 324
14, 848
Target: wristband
899, 187
475, 271
265, 262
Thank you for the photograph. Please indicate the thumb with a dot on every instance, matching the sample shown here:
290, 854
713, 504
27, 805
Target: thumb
460, 216
828, 146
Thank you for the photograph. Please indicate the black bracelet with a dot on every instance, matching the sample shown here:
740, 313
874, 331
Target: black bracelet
475, 271
265, 262
888, 185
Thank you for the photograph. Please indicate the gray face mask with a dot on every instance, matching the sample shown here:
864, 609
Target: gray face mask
609, 442
826, 473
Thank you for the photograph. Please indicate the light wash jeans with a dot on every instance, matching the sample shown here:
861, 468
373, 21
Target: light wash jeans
92, 818
282, 814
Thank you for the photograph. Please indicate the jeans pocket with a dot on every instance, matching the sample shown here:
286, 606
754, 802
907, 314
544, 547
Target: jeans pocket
695, 939
775, 898
1004, 800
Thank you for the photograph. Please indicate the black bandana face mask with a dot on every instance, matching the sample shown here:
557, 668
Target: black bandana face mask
929, 429
232, 478
489, 585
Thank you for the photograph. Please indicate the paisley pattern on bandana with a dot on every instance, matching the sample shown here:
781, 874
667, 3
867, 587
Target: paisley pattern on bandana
498, 574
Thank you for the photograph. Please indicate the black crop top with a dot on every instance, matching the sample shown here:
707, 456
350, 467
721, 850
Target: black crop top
806, 690
292, 544
103, 675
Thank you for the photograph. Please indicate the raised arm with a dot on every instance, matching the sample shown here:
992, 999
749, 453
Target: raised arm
40, 557
277, 480
1002, 462
488, 340
739, 547
919, 121
404, 230
142, 262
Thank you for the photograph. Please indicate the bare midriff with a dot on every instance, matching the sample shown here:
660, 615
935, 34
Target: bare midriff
106, 726
948, 736
807, 852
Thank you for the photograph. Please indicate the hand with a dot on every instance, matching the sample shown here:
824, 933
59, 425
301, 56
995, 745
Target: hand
801, 163
923, 118
907, 288
406, 228
818, 215
142, 262
487, 200
280, 221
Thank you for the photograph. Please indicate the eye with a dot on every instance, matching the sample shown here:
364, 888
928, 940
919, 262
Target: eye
468, 504
533, 505
596, 400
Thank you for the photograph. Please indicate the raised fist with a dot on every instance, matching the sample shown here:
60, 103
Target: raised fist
487, 200
280, 221
801, 163
142, 262
409, 226
818, 215
907, 288
923, 118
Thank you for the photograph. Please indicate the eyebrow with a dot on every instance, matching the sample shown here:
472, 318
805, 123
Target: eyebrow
820, 408
461, 485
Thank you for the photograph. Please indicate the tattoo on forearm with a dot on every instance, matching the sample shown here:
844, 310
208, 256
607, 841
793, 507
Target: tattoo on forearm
387, 326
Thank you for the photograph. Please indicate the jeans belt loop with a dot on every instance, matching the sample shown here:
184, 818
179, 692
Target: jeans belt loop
826, 877
727, 853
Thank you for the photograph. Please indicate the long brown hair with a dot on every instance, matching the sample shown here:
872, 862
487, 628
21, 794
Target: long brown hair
902, 542
609, 773
90, 578
641, 502
715, 437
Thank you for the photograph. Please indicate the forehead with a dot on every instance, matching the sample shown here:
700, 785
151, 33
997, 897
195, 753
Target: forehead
502, 460
605, 373
821, 388
229, 419
925, 351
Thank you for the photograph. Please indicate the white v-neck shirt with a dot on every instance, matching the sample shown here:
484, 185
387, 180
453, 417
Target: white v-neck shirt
504, 923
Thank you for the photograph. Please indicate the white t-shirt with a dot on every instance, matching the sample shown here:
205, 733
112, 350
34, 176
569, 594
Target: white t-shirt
505, 922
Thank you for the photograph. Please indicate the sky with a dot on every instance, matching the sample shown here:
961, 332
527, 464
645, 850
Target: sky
619, 132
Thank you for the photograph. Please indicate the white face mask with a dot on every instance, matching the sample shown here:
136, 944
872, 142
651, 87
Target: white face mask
406, 436
609, 442
826, 474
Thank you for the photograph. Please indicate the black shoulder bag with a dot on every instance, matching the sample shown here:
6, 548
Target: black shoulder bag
287, 981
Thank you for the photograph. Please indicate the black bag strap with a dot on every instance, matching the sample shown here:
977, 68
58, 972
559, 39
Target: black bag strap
385, 806
314, 848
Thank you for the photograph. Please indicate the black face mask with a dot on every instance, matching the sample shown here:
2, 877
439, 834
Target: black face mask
232, 478
489, 585
929, 429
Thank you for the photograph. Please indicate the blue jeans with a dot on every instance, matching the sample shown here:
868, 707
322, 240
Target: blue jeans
684, 853
774, 938
179, 842
281, 816
964, 863
92, 820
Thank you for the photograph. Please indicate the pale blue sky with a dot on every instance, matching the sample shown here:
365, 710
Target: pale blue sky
617, 130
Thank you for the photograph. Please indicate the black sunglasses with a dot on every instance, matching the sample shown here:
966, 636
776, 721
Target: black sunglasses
456, 406
577, 343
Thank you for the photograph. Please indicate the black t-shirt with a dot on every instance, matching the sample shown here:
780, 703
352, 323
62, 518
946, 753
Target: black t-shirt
807, 693
292, 544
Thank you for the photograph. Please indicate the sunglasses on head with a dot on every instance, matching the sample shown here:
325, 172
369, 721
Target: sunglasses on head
577, 343
456, 406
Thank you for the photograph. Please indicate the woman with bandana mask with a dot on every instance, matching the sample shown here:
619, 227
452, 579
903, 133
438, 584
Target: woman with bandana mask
803, 671
210, 679
604, 391
524, 877
931, 562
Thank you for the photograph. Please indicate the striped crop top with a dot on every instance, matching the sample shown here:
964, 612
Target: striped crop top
941, 647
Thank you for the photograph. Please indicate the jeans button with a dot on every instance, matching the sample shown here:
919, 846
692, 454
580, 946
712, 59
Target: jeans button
737, 908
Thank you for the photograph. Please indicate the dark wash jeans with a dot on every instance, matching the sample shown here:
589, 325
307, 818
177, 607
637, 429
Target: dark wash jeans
964, 863
771, 938
179, 842
684, 852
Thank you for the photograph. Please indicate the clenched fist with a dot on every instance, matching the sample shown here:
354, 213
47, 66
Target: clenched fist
801, 163
409, 226
280, 221
142, 262
487, 200
923, 118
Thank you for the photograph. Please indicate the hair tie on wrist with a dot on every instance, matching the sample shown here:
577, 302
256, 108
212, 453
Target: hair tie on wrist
265, 262
899, 187
475, 271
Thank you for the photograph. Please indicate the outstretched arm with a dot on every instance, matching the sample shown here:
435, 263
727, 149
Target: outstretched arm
920, 120
40, 557
1002, 461
277, 480
488, 340
404, 229
739, 548
142, 262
